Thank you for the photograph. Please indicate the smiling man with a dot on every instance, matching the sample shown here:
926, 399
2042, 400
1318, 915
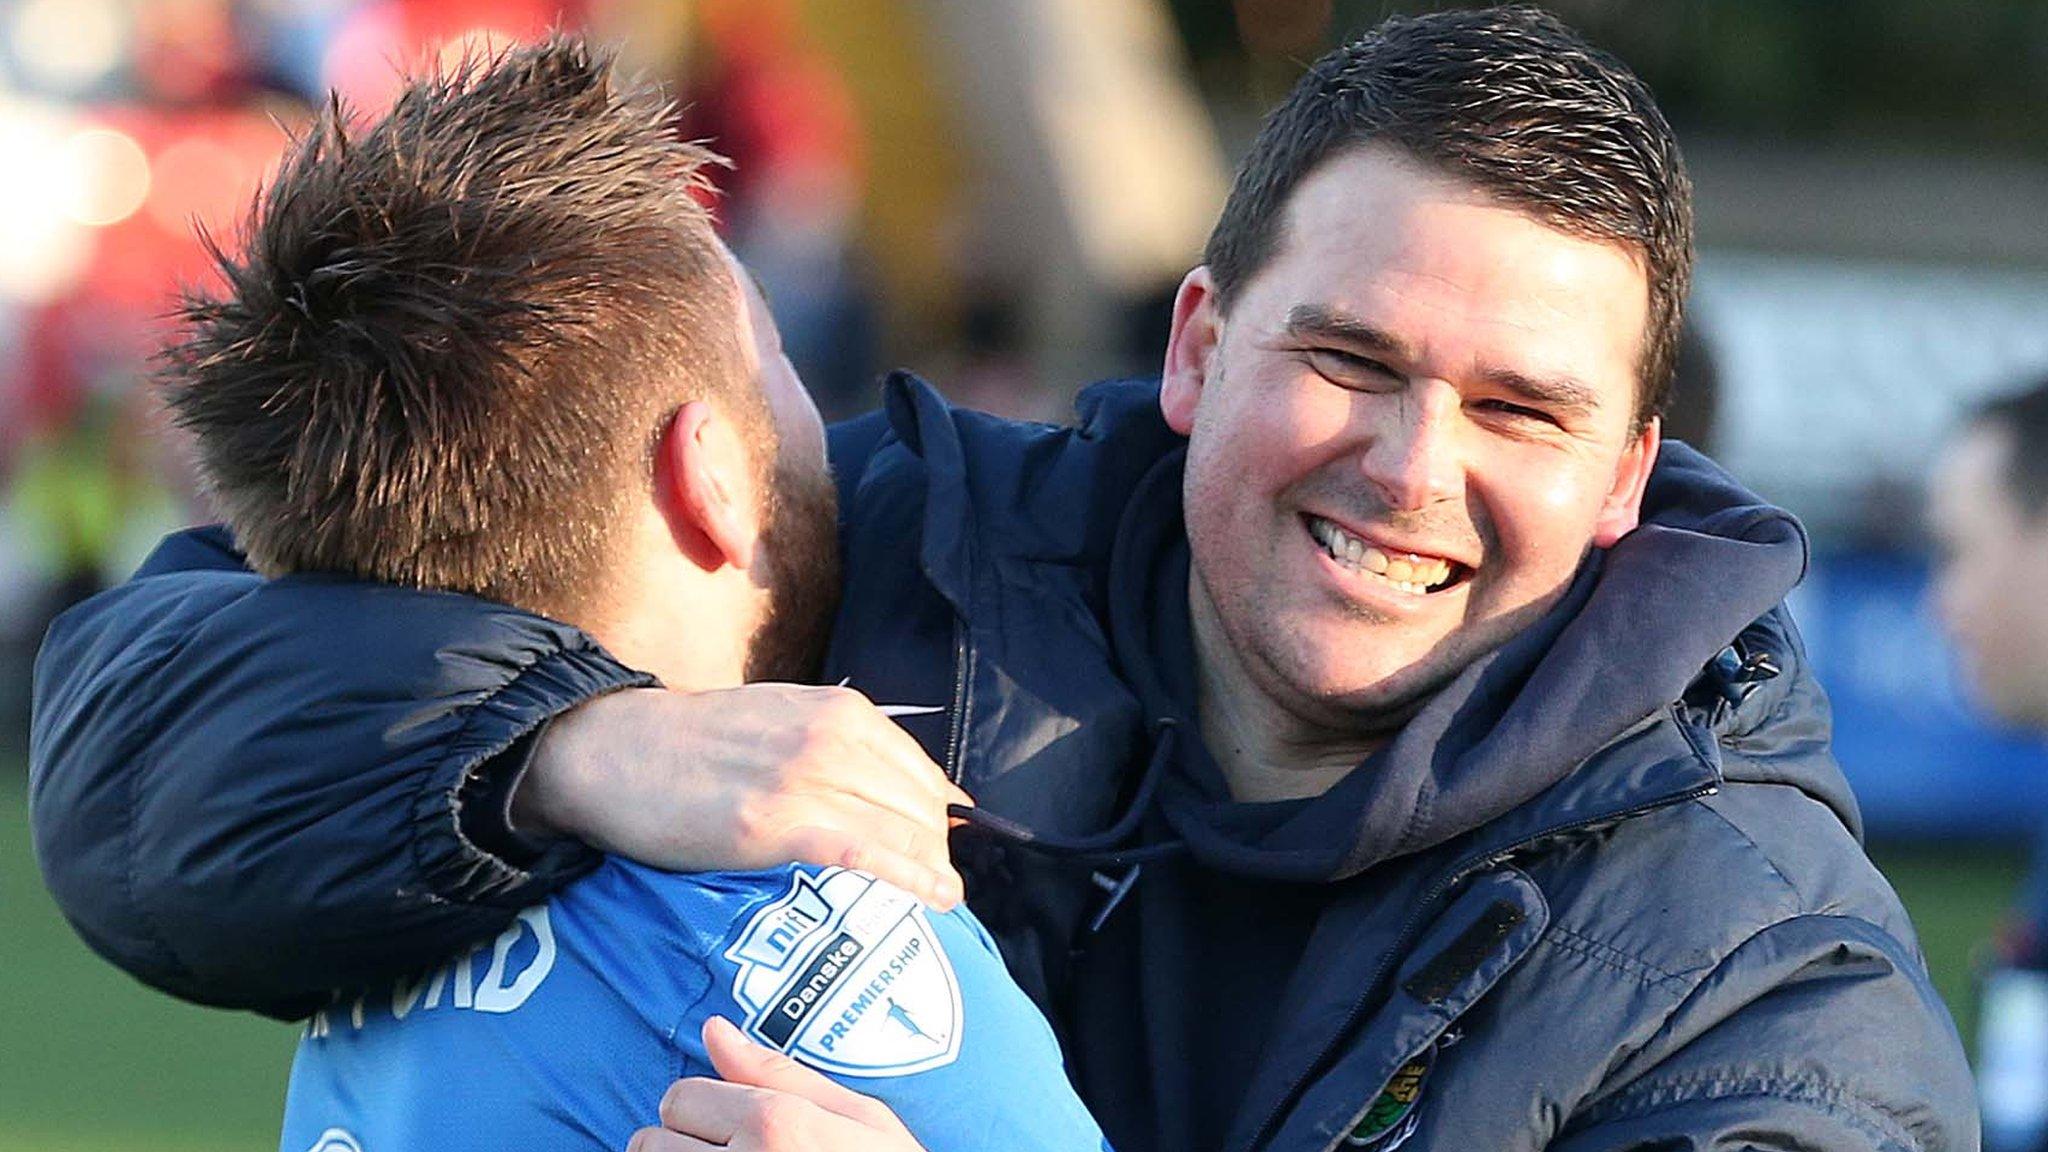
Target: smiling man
1404, 431
1379, 738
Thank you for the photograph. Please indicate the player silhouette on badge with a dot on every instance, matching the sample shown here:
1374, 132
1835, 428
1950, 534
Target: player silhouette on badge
899, 1015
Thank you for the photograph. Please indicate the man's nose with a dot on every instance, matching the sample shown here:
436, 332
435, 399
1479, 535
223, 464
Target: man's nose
1415, 458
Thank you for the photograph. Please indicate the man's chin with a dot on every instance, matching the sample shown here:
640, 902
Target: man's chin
1379, 700
1362, 702
1394, 688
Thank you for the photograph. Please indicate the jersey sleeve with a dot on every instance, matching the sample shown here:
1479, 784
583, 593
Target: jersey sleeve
857, 979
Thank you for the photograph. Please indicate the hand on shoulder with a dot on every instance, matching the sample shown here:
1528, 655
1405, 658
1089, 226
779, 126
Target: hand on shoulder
747, 777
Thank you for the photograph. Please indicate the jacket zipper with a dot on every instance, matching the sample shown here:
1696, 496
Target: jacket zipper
1463, 869
956, 731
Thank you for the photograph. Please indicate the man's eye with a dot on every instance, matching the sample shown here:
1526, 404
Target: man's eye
1517, 411
1347, 368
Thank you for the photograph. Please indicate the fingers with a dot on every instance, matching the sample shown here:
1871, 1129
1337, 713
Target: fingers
870, 799
878, 794
900, 750
710, 1110
921, 840
848, 711
834, 742
934, 882
766, 1101
776, 772
741, 1061
663, 1140
899, 776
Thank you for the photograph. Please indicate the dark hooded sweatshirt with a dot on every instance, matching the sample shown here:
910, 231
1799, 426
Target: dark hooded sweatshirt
1177, 996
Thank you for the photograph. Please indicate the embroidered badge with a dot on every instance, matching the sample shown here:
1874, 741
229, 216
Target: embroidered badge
1391, 1118
844, 973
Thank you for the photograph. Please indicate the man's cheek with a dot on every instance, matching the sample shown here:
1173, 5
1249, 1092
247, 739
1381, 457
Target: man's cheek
1536, 527
1556, 497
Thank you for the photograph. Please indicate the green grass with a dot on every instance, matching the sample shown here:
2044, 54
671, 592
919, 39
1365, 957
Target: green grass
90, 1060
1957, 896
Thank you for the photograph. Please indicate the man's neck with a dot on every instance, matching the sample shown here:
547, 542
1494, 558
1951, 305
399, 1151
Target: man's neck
1264, 751
690, 628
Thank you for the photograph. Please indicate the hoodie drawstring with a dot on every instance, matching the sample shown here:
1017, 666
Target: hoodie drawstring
1098, 850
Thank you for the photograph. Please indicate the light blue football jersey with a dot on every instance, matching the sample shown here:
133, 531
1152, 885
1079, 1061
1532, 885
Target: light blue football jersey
564, 1032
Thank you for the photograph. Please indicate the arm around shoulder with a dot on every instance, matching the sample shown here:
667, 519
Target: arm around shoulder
247, 793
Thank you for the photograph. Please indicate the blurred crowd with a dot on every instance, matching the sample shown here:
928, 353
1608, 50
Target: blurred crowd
145, 129
1002, 196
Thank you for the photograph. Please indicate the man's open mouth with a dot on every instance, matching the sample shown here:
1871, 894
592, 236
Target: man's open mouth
1410, 572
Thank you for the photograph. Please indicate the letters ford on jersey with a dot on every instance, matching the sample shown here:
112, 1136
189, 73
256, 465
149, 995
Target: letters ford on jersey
519, 960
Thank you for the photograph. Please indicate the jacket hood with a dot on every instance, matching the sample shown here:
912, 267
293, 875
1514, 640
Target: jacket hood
1629, 637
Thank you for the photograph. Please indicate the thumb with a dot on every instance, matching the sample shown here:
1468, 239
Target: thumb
741, 1061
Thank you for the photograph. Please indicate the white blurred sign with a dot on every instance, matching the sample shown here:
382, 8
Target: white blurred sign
1838, 374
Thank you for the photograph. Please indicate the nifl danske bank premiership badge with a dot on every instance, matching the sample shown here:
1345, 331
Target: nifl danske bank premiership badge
844, 973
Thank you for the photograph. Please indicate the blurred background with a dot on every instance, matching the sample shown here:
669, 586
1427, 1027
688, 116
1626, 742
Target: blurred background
1002, 195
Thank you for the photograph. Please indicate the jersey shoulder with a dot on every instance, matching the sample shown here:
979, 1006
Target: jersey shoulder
856, 978
616, 977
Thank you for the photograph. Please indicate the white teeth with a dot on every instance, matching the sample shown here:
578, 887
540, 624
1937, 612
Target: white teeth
1406, 571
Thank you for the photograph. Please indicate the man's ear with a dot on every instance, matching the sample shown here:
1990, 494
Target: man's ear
703, 485
1190, 345
1623, 507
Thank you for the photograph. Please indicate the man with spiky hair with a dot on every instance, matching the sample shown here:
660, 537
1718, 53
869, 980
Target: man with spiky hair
1381, 737
490, 344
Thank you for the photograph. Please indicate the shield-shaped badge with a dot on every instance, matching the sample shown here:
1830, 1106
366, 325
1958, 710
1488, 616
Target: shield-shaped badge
844, 973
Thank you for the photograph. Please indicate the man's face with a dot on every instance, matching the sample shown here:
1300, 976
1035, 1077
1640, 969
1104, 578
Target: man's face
1988, 581
1404, 436
799, 544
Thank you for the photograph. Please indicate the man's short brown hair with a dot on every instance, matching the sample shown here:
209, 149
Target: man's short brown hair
452, 336
1510, 100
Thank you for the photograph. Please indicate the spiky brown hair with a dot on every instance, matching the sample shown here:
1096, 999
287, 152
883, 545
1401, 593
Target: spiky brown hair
451, 336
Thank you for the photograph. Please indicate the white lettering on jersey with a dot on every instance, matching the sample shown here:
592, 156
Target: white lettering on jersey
336, 1140
845, 974
495, 994
504, 987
